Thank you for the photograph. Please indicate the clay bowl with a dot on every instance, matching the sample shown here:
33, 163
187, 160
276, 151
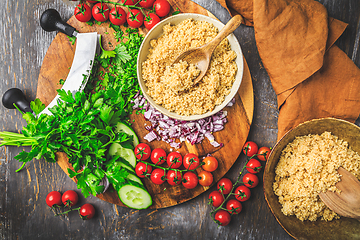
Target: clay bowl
343, 228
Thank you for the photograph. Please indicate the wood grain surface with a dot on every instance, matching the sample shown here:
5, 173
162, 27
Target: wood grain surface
23, 212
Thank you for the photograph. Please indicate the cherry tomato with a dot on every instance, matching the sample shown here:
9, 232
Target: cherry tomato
190, 180
158, 176
250, 148
162, 8
142, 169
222, 217
216, 198
151, 20
82, 12
233, 206
191, 161
225, 185
158, 156
87, 211
250, 180
100, 12
135, 18
210, 164
264, 153
117, 16
242, 193
205, 178
92, 1
146, 3
174, 177
53, 199
69, 198
253, 166
129, 2
142, 151
174, 160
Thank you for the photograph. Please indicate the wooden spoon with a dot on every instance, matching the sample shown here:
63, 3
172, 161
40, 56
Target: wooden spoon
346, 203
201, 56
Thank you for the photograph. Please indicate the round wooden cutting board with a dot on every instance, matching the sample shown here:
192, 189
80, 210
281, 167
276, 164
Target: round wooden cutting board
56, 64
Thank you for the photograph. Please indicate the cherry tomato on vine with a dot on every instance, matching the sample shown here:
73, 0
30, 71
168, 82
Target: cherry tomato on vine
142, 151
162, 8
87, 211
233, 206
190, 180
129, 2
191, 161
146, 3
250, 180
253, 166
142, 169
135, 18
158, 156
264, 153
117, 16
69, 198
250, 148
205, 178
53, 199
242, 193
151, 20
210, 164
100, 12
158, 176
224, 185
82, 12
216, 199
174, 177
174, 160
222, 217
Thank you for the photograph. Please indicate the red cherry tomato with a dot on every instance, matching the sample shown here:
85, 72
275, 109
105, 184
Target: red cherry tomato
162, 8
142, 169
69, 198
224, 185
158, 156
190, 180
117, 16
92, 1
222, 217
174, 177
250, 148
253, 166
174, 160
100, 12
82, 12
233, 206
142, 151
205, 178
151, 20
191, 161
146, 3
264, 153
135, 18
158, 176
210, 164
87, 211
53, 199
216, 198
250, 180
242, 193
129, 2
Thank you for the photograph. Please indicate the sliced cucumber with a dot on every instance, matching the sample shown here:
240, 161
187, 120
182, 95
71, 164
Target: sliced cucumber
134, 197
125, 153
122, 127
134, 178
127, 166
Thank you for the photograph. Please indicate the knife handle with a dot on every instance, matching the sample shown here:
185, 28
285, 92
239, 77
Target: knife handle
15, 96
50, 21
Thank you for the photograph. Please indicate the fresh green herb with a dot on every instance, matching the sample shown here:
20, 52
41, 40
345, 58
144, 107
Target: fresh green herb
61, 81
72, 39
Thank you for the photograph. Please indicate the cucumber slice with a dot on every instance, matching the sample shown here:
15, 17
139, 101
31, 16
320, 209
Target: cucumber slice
122, 127
125, 153
134, 197
134, 178
127, 167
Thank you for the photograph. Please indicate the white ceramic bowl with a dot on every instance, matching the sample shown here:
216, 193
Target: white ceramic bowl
157, 31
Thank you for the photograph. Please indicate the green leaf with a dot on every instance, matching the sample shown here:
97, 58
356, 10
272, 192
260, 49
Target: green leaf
37, 106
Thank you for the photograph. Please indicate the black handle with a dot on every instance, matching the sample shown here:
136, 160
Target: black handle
50, 21
17, 97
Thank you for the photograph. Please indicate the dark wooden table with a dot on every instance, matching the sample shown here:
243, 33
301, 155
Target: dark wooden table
23, 211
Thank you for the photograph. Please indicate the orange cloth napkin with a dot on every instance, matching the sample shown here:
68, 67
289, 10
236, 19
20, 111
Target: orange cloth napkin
311, 76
